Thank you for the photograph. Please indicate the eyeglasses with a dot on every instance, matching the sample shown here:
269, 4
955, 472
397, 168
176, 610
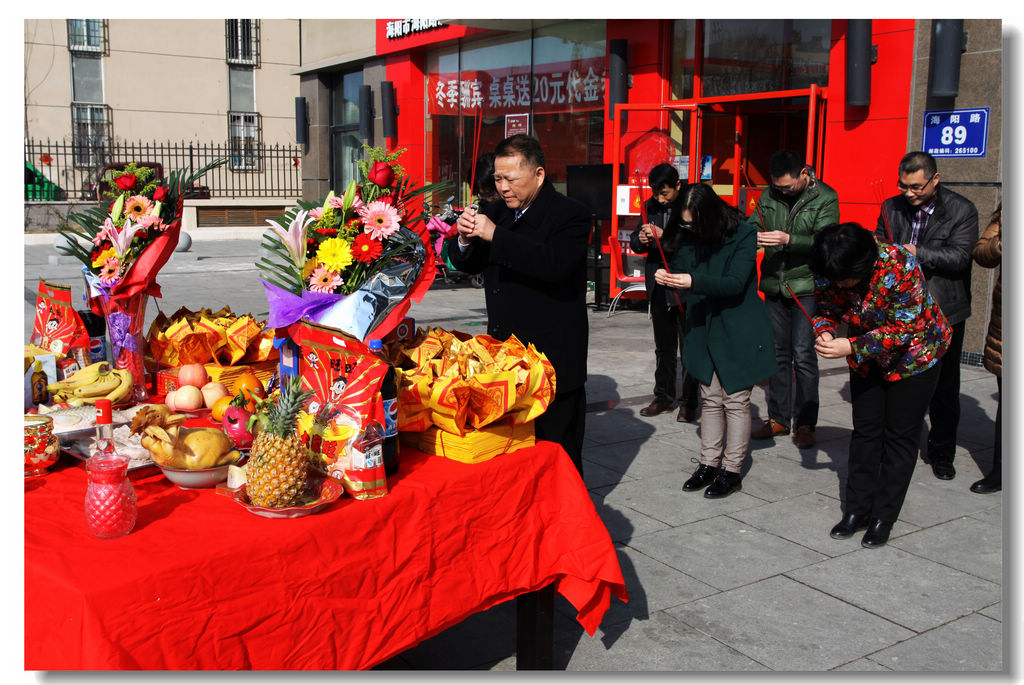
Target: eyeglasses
914, 187
686, 225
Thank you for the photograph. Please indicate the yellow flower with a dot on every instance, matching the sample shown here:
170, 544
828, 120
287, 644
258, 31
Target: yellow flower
335, 254
102, 257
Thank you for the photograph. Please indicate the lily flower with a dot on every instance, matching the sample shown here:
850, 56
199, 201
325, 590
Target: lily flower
121, 240
294, 238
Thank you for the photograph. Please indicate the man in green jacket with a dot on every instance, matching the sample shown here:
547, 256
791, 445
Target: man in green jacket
795, 208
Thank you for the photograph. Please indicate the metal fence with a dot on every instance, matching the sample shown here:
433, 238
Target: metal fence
58, 170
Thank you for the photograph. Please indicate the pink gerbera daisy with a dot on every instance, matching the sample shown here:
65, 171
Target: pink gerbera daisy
316, 213
380, 220
323, 280
110, 270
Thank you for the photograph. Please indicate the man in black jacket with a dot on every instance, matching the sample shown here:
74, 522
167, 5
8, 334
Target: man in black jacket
532, 250
940, 227
665, 305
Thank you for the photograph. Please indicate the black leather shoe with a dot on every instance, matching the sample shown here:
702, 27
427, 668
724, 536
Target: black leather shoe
943, 470
656, 407
686, 413
850, 524
877, 533
993, 482
724, 485
700, 478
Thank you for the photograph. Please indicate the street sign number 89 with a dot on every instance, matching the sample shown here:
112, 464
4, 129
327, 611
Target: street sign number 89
952, 135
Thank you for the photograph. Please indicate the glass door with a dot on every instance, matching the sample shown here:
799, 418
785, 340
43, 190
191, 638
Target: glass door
346, 145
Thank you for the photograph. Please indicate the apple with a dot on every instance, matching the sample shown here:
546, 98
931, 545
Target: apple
212, 392
188, 398
194, 375
169, 400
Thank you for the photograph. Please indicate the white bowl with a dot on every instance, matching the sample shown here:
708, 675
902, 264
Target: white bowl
198, 478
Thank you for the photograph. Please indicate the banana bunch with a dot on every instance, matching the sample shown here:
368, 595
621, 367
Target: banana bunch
96, 381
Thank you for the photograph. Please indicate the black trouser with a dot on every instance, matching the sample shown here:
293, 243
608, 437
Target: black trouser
944, 409
668, 343
887, 418
564, 423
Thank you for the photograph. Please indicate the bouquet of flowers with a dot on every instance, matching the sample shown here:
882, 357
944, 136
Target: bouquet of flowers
127, 242
355, 261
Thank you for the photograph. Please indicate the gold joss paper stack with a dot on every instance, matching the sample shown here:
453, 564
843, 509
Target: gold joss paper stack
207, 337
466, 396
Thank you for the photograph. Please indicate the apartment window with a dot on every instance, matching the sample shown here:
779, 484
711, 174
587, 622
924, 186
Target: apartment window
88, 35
92, 132
243, 41
245, 139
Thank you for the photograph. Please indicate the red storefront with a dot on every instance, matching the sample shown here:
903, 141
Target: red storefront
714, 97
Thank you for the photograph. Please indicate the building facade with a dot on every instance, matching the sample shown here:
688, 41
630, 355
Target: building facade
714, 97
102, 92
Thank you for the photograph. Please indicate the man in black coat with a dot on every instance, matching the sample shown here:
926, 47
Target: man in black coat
666, 306
532, 250
940, 227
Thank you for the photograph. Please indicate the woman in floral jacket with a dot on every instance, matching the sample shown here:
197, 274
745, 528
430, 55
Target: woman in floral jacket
896, 336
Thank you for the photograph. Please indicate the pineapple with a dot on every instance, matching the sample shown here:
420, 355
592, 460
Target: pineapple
279, 460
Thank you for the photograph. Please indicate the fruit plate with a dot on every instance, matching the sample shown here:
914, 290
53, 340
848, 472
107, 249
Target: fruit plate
191, 479
320, 494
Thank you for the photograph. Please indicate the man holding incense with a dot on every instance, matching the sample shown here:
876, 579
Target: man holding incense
939, 227
656, 236
795, 208
532, 250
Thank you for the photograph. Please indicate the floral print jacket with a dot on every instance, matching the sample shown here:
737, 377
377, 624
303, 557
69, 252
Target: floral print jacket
892, 321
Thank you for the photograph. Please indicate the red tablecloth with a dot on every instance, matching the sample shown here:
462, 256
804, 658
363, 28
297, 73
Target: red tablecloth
201, 583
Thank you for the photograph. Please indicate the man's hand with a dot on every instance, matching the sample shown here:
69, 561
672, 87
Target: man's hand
768, 238
473, 225
911, 248
647, 231
663, 277
832, 348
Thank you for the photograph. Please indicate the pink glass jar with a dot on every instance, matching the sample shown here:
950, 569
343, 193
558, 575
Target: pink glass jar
110, 504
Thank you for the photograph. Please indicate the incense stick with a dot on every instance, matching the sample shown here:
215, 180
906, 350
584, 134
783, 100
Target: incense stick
797, 300
643, 221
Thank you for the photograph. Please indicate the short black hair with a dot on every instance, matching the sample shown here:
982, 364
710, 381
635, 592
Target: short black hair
521, 144
662, 176
785, 163
843, 251
918, 160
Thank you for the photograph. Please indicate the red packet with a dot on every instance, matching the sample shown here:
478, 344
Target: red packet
58, 327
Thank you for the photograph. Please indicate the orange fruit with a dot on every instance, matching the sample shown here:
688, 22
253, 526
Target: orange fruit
250, 386
219, 407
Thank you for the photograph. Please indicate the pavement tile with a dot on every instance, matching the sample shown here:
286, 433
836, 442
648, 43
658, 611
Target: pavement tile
596, 475
926, 594
966, 544
616, 425
659, 456
863, 665
711, 551
931, 501
972, 643
995, 611
774, 478
622, 522
788, 626
654, 586
993, 515
663, 499
660, 643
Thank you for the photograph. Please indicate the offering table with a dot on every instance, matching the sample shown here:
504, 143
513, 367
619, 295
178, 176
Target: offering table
203, 584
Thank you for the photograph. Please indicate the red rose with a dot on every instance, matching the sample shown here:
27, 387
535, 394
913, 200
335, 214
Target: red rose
382, 174
386, 199
160, 194
126, 182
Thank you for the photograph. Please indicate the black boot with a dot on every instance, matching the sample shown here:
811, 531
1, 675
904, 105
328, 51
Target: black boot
724, 485
850, 524
701, 477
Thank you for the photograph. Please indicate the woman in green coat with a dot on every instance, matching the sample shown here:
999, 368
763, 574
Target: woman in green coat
731, 334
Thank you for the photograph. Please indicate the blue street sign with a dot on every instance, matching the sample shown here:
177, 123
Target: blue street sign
955, 133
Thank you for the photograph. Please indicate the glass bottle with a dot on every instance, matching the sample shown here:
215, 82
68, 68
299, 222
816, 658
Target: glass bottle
40, 393
110, 504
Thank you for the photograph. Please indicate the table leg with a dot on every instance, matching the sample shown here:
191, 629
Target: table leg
535, 630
